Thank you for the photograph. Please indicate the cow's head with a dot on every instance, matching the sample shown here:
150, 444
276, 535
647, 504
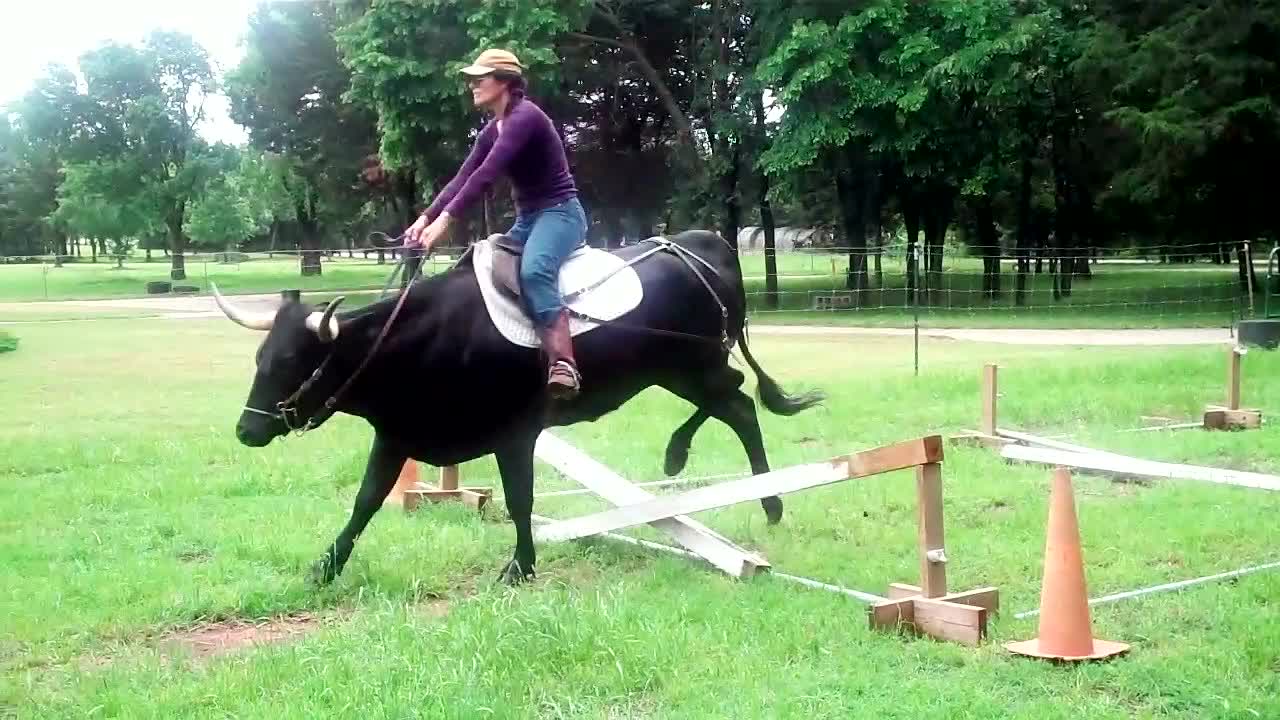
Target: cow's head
290, 387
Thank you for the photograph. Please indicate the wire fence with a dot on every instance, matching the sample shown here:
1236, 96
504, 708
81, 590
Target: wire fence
890, 285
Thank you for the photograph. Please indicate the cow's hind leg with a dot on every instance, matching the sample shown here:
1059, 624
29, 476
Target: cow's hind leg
678, 446
718, 394
380, 475
515, 463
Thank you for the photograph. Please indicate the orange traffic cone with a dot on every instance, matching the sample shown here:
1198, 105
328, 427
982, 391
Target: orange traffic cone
1065, 629
408, 480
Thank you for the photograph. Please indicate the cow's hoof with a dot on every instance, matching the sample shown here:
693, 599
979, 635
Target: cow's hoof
323, 572
513, 574
677, 456
772, 509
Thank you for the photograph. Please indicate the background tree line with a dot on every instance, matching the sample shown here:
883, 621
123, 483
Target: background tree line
1043, 129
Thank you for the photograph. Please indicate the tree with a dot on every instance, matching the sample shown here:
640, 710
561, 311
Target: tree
1194, 91
403, 58
289, 92
141, 109
105, 202
43, 139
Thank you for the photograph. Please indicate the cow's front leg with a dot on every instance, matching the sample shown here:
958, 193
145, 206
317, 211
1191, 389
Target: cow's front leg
380, 475
515, 463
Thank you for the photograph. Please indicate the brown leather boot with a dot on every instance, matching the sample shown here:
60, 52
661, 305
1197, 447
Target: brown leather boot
563, 381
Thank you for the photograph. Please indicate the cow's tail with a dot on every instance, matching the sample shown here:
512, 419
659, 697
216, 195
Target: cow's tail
777, 400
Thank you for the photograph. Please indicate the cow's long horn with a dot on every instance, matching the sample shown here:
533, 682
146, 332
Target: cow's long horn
324, 324
243, 318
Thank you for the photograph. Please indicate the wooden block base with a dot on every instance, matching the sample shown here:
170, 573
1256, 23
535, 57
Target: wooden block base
1217, 417
957, 617
475, 497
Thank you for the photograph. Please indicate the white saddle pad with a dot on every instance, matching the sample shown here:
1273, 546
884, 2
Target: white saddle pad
616, 296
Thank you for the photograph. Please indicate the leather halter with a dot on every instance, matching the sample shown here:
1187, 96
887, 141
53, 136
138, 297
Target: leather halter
287, 409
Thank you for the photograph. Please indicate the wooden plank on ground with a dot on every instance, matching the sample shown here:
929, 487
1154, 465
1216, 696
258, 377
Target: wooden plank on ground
987, 597
1219, 418
891, 614
695, 536
1036, 440
899, 456
964, 624
977, 439
1134, 467
960, 617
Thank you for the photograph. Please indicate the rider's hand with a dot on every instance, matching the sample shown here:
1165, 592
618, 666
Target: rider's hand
432, 233
412, 235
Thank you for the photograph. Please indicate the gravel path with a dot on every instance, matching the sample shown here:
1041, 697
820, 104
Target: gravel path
1022, 336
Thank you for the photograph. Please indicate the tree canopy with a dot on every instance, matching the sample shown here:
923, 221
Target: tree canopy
1040, 129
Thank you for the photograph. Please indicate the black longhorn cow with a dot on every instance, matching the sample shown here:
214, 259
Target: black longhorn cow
443, 386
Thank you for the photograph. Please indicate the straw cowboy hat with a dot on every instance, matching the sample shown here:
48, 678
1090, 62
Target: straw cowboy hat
493, 60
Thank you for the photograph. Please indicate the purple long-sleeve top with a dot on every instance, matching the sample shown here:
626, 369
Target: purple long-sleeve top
528, 150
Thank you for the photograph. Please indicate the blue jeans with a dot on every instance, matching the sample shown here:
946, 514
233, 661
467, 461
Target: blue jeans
548, 237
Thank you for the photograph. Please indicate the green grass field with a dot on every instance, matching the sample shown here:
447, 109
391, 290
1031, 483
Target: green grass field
1117, 295
135, 525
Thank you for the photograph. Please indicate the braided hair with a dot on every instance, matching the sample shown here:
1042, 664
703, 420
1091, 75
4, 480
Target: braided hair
516, 85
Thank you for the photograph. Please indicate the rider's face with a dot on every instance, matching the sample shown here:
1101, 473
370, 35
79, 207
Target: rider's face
486, 91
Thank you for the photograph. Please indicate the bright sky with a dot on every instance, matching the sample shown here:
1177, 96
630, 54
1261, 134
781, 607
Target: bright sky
34, 33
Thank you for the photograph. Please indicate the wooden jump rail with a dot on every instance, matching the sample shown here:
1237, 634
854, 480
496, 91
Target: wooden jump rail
1025, 447
927, 609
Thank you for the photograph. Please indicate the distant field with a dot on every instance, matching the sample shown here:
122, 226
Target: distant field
1118, 295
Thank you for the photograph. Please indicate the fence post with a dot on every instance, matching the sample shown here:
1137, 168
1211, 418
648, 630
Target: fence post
915, 302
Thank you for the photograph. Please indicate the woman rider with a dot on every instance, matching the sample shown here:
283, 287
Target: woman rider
520, 142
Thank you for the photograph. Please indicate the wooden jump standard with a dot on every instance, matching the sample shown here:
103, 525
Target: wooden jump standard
927, 608
1025, 447
409, 492
1216, 417
1232, 417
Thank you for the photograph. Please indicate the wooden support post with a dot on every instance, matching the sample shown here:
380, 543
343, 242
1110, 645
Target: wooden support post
449, 477
933, 559
1233, 380
1232, 416
988, 433
928, 609
989, 390
409, 492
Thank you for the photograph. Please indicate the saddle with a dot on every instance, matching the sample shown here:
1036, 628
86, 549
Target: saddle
506, 265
